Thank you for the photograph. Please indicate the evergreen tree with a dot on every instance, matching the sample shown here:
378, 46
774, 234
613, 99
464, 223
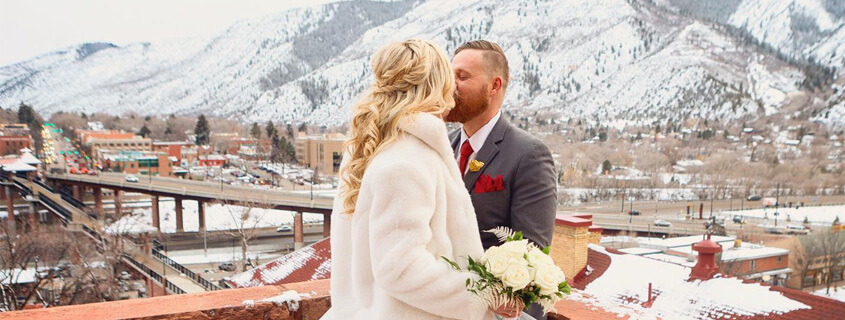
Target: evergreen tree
202, 131
144, 132
290, 131
26, 114
271, 129
255, 131
606, 167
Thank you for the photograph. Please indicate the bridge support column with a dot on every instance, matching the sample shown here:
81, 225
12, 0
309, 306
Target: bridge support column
179, 226
118, 204
98, 202
76, 192
3, 193
10, 209
33, 215
156, 218
298, 231
327, 225
201, 213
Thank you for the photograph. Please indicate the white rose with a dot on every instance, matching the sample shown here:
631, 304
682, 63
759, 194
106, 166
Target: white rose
516, 249
492, 251
496, 262
548, 277
517, 262
516, 277
537, 257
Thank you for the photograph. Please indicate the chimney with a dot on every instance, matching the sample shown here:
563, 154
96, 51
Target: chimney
706, 266
569, 243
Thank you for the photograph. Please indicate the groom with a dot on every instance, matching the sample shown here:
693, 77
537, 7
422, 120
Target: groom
509, 173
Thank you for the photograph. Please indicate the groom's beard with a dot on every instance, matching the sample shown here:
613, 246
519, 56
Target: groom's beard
468, 106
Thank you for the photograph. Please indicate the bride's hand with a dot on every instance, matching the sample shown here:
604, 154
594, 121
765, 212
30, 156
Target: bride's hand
510, 310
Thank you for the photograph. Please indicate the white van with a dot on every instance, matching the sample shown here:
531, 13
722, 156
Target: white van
793, 229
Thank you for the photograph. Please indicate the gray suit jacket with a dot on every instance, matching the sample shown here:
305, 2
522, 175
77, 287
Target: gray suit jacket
529, 198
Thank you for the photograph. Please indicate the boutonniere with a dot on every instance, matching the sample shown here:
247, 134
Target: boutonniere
475, 165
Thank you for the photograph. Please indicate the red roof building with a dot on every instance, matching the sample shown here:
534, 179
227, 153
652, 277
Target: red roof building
307, 264
635, 287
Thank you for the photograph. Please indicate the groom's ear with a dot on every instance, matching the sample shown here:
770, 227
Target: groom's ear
496, 85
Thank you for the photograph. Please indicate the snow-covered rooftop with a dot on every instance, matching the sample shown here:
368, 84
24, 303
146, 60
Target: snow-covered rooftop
623, 287
310, 263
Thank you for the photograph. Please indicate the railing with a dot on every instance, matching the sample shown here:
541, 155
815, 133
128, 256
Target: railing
68, 196
24, 189
153, 275
61, 211
40, 183
182, 269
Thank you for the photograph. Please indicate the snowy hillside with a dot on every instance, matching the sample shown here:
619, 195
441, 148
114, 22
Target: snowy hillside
623, 60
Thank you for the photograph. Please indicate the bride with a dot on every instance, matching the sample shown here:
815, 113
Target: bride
402, 204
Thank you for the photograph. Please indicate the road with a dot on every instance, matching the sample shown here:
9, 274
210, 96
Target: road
207, 191
610, 216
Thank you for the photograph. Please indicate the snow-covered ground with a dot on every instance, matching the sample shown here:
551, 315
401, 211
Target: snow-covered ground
217, 217
579, 195
199, 256
629, 276
837, 293
815, 214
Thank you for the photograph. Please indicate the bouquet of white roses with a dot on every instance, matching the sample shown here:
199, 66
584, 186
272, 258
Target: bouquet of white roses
516, 270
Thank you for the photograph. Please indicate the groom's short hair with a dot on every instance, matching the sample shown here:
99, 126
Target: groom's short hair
494, 56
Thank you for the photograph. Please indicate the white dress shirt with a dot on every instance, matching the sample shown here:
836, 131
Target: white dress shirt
477, 140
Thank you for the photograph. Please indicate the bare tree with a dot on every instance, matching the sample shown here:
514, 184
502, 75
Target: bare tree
245, 216
831, 245
65, 269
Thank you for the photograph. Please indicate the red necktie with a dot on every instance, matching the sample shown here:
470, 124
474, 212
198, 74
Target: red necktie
466, 151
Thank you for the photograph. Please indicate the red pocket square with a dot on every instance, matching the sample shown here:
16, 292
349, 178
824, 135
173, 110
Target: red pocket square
486, 183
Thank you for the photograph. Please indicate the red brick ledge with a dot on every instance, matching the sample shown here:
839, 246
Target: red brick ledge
574, 220
223, 304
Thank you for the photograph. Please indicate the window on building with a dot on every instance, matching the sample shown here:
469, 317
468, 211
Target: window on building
753, 265
336, 158
780, 258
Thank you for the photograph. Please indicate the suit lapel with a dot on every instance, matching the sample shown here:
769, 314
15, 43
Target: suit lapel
455, 138
487, 153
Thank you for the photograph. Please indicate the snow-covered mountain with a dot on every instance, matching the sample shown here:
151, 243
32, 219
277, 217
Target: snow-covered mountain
616, 60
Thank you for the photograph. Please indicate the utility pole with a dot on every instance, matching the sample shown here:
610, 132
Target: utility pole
712, 195
623, 203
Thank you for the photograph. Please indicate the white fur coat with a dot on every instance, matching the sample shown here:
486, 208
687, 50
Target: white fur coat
412, 209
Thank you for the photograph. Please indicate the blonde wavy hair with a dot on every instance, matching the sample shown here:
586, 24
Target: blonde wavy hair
410, 77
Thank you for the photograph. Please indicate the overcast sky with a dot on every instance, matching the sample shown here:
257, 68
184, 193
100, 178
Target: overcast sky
32, 27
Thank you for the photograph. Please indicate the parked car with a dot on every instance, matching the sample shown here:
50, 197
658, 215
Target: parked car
131, 178
227, 266
284, 229
124, 276
738, 219
776, 230
634, 213
662, 223
754, 197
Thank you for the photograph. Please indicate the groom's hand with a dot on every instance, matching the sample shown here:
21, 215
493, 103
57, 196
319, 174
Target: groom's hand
510, 310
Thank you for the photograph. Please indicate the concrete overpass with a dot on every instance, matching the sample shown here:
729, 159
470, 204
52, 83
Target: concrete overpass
202, 192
